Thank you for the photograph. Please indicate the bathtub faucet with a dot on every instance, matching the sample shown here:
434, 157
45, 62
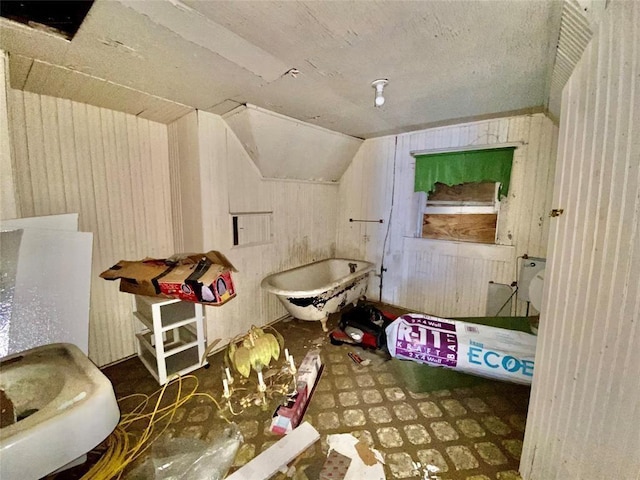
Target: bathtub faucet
353, 267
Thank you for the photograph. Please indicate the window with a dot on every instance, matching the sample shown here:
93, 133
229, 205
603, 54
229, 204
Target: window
462, 192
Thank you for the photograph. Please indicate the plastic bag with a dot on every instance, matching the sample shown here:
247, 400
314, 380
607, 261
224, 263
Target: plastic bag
481, 350
190, 458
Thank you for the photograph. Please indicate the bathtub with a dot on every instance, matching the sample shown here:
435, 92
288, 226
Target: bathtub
315, 290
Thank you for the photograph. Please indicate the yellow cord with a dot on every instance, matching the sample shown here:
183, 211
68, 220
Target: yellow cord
122, 447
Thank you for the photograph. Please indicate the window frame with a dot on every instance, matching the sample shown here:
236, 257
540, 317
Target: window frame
422, 197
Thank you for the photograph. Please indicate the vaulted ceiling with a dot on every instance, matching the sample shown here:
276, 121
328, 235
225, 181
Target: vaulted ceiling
314, 61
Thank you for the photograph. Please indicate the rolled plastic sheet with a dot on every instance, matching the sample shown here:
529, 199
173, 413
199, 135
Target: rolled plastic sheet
489, 352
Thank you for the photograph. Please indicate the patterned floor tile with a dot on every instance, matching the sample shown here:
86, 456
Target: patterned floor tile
434, 458
419, 395
248, 429
371, 396
389, 437
518, 422
343, 382
462, 457
340, 369
513, 447
324, 400
394, 394
441, 393
490, 453
476, 404
354, 418
429, 409
328, 421
348, 399
401, 465
404, 412
417, 434
470, 428
365, 381
199, 414
380, 415
444, 431
453, 407
495, 425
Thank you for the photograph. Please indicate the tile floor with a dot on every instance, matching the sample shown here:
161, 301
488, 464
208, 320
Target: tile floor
465, 433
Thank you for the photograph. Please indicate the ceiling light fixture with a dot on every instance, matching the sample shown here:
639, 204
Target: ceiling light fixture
379, 86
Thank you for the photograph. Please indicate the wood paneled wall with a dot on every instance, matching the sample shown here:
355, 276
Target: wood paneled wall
445, 278
584, 414
110, 167
212, 162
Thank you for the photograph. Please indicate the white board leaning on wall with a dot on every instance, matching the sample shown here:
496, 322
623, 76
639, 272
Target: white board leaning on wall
45, 283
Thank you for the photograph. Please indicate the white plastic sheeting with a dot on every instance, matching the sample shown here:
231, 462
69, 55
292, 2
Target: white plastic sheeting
44, 292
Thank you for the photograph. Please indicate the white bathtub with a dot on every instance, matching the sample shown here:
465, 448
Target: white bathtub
315, 290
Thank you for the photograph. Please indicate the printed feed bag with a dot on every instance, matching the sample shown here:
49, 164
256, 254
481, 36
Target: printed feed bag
481, 350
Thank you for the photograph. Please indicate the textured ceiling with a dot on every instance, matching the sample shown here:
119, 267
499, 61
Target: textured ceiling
445, 60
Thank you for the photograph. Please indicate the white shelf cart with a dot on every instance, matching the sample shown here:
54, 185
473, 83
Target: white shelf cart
170, 335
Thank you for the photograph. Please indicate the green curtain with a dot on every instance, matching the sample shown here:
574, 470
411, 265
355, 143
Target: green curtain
463, 167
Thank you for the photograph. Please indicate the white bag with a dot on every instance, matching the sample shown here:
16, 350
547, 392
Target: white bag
481, 350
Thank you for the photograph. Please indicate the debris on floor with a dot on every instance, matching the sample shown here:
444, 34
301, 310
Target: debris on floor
365, 462
363, 325
446, 431
288, 416
278, 456
336, 466
190, 458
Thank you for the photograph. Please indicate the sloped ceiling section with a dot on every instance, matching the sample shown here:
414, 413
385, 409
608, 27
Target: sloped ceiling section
445, 60
284, 148
47, 79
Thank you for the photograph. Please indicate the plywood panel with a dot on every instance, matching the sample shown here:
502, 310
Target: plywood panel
479, 228
467, 192
111, 168
584, 411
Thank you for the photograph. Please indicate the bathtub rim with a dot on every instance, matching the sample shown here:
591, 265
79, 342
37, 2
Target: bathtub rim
266, 285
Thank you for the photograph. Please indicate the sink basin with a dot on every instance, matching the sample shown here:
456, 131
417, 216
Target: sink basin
62, 406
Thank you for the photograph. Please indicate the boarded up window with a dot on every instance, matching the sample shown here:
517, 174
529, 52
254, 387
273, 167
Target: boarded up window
479, 228
463, 194
467, 212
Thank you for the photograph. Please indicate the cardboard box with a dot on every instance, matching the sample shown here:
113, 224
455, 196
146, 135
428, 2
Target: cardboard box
203, 278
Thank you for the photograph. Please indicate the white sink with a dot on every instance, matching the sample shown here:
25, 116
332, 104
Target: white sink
64, 405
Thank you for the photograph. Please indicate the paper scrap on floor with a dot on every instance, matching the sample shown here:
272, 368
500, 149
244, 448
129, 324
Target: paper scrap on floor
365, 461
